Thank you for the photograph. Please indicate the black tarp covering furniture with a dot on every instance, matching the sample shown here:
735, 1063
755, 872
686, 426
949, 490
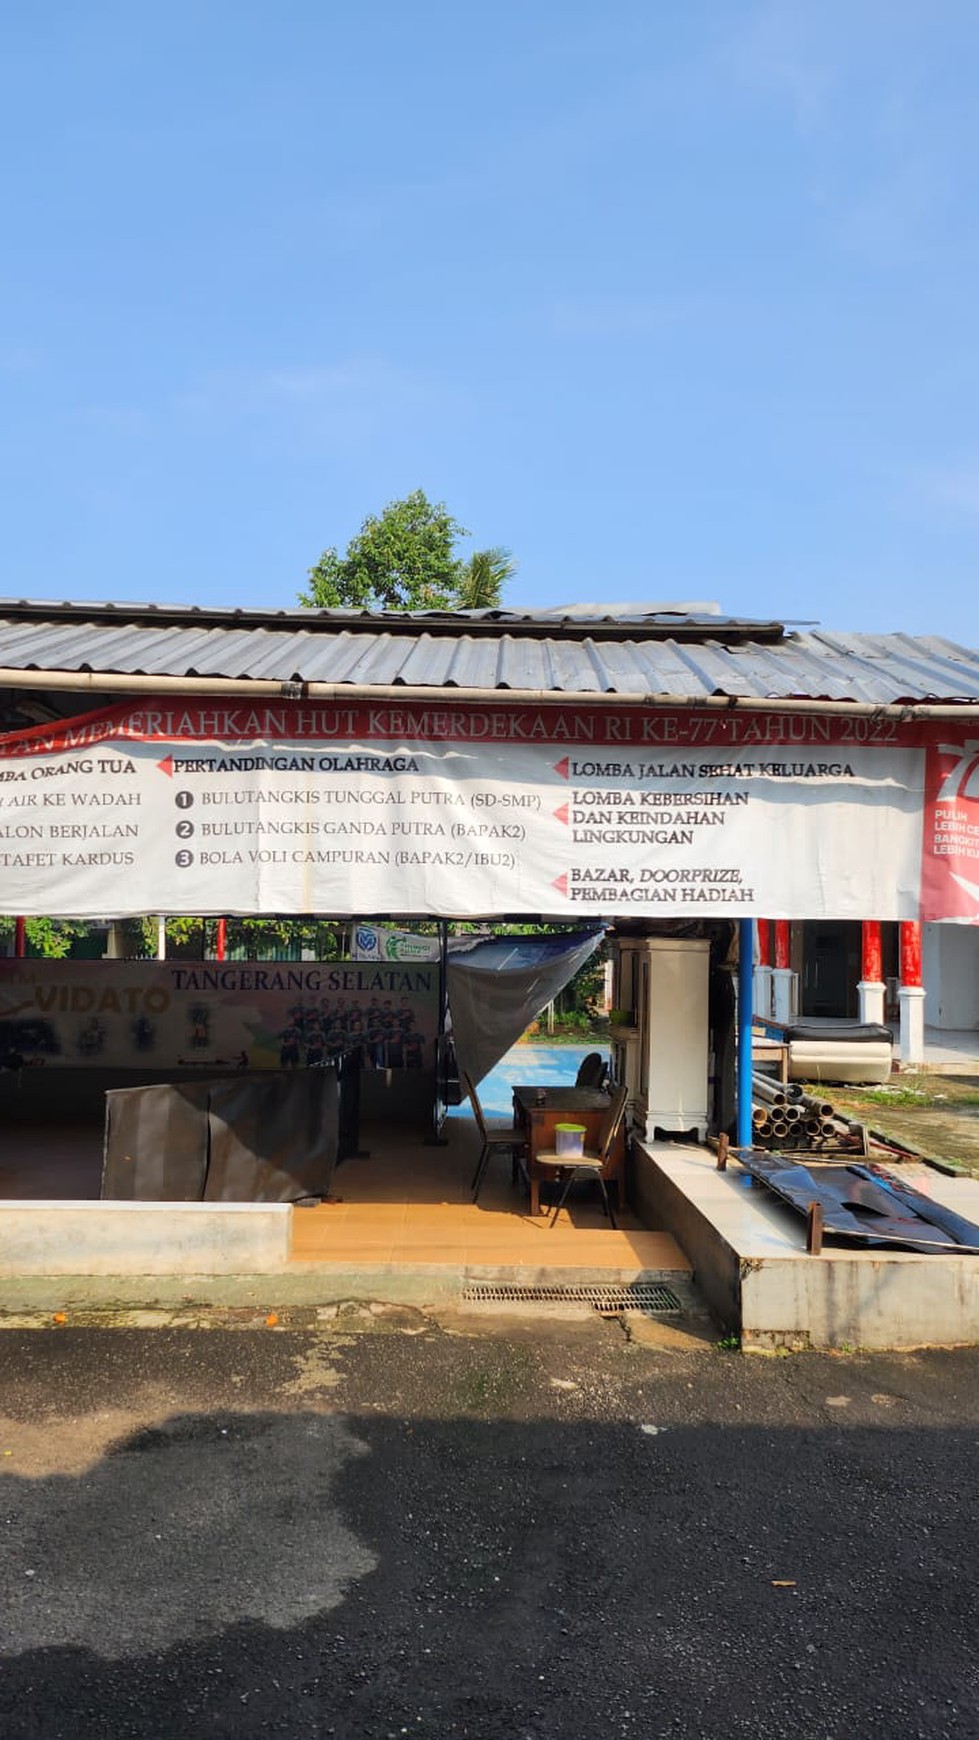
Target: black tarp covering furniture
262, 1137
156, 1141
272, 1139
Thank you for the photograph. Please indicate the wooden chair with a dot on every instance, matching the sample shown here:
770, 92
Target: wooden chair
592, 1163
496, 1139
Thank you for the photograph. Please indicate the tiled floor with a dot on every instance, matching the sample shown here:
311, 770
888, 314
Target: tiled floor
408, 1203
50, 1162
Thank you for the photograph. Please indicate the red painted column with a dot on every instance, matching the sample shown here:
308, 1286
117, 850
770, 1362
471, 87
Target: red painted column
872, 967
781, 942
221, 941
764, 942
20, 937
870, 990
911, 953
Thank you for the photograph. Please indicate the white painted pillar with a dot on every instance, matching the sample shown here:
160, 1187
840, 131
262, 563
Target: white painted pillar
911, 994
872, 1000
115, 944
763, 992
912, 998
783, 995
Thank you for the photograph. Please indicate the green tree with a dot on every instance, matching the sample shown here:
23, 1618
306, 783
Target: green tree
401, 559
483, 579
405, 558
51, 938
249, 938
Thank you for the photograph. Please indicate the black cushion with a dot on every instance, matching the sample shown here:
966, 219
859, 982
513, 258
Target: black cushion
826, 1028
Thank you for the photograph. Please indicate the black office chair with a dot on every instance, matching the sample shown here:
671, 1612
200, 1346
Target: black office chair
592, 1071
496, 1139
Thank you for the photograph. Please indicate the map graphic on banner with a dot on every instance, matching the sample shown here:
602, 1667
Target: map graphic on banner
210, 807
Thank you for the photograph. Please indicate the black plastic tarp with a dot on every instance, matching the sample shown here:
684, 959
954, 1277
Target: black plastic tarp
867, 1203
250, 1138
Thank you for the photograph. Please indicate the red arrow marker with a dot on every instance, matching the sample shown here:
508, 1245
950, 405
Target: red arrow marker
561, 884
562, 813
166, 766
561, 767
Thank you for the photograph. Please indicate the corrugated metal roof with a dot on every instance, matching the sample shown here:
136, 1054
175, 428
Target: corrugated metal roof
695, 620
653, 654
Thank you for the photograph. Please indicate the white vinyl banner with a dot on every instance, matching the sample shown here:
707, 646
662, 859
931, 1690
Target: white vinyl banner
226, 807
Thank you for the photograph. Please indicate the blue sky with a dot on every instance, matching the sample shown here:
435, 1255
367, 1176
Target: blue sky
678, 299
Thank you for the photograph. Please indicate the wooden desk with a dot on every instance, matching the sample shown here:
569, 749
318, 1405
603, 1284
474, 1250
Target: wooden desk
564, 1105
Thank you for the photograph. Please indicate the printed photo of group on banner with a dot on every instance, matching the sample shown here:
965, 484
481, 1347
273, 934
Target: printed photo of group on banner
381, 1034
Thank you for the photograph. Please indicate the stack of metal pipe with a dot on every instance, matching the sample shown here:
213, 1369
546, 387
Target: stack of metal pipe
784, 1116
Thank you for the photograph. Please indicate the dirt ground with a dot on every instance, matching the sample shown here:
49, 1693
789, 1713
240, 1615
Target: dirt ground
937, 1115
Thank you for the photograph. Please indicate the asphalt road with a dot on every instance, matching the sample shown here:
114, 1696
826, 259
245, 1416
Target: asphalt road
390, 1527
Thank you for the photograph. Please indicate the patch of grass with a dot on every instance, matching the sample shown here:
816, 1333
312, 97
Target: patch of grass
934, 1115
920, 1092
493, 1387
896, 1096
728, 1344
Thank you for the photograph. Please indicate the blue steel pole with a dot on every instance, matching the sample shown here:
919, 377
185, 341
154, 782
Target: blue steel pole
746, 963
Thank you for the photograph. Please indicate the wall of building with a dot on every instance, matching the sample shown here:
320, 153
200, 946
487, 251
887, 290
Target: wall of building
950, 962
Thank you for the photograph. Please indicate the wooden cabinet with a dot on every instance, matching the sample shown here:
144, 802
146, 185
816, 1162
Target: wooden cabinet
662, 1055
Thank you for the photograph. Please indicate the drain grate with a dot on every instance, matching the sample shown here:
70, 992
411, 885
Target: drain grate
606, 1297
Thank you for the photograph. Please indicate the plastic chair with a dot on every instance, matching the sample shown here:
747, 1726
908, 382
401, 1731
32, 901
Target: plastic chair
592, 1071
592, 1163
496, 1138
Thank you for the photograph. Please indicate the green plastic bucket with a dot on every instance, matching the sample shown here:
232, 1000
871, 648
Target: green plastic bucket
569, 1138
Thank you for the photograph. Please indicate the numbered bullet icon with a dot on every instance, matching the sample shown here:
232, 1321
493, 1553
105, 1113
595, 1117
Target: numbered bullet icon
183, 859
184, 800
184, 830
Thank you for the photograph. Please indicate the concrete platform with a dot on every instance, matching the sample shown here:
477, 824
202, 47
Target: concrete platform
401, 1228
750, 1262
142, 1238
